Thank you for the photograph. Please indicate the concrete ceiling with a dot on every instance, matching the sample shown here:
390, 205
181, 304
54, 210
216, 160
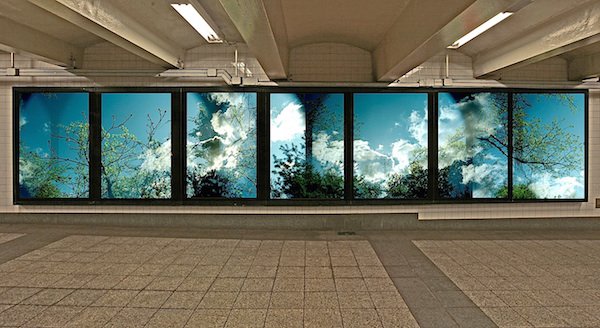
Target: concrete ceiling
400, 34
355, 22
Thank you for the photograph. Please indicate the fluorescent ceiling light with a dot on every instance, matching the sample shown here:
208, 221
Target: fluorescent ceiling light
480, 29
192, 16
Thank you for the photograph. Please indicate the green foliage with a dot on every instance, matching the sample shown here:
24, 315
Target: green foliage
208, 144
412, 185
364, 189
52, 176
520, 191
297, 178
211, 184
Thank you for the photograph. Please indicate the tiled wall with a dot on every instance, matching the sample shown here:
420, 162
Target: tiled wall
460, 69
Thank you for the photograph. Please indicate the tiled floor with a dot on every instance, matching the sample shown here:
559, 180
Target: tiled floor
525, 283
103, 276
111, 281
6, 237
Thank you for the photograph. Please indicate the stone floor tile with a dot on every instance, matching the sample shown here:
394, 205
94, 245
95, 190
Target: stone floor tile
54, 316
115, 298
368, 261
258, 285
373, 271
350, 285
183, 300
131, 317
103, 282
227, 285
205, 318
82, 297
165, 283
92, 317
397, 318
252, 300
134, 282
171, 318
288, 285
453, 298
380, 284
321, 300
262, 271
177, 270
360, 318
343, 261
234, 271
149, 299
575, 316
317, 261
246, 318
515, 298
287, 300
18, 315
290, 272
17, 295
317, 272
291, 261
218, 300
346, 272
284, 318
470, 317
206, 271
197, 284
540, 317
506, 317
73, 281
322, 318
319, 285
355, 300
387, 300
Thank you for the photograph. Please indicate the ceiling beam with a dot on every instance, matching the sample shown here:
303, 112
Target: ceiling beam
404, 47
582, 67
32, 43
107, 21
251, 19
575, 29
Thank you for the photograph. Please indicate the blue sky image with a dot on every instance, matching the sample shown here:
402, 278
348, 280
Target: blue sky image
221, 138
288, 126
42, 120
472, 144
390, 133
146, 164
567, 147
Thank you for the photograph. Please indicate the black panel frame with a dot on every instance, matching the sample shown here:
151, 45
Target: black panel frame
178, 135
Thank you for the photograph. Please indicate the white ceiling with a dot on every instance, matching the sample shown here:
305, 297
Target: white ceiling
400, 34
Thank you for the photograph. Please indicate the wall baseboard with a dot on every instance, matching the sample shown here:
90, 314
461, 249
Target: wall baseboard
326, 222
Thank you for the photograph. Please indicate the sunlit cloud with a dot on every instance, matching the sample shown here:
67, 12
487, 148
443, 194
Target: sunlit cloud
157, 160
328, 151
418, 127
488, 177
547, 186
289, 124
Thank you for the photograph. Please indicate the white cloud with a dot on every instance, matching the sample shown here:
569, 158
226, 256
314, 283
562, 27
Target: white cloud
488, 177
157, 160
461, 126
22, 121
418, 127
328, 151
547, 186
371, 164
401, 154
288, 124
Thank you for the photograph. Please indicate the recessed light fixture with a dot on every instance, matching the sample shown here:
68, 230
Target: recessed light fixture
199, 23
480, 29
